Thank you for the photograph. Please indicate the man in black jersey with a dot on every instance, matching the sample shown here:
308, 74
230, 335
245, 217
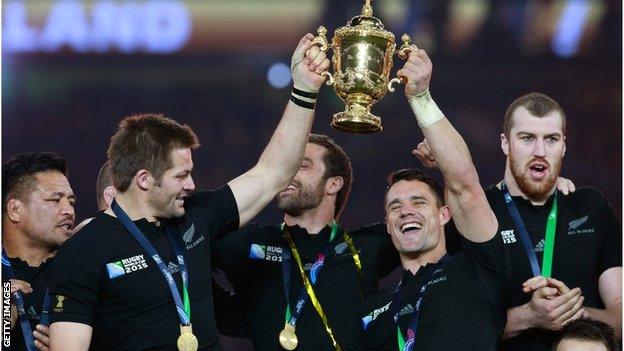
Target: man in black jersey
352, 263
443, 302
130, 279
37, 217
585, 241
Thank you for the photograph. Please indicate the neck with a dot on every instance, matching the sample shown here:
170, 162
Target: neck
17, 244
313, 220
514, 189
134, 205
414, 261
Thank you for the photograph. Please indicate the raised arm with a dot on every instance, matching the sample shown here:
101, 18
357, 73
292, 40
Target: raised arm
282, 157
464, 196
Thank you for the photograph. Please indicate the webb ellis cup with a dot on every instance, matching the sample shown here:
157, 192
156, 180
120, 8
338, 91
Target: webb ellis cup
362, 61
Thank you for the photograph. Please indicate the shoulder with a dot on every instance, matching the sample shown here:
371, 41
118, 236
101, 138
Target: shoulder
99, 229
208, 197
493, 193
585, 194
253, 231
375, 231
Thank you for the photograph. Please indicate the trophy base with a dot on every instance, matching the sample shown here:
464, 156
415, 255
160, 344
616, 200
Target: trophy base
356, 123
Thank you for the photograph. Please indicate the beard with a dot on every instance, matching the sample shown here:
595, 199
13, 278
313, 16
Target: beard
536, 190
164, 205
303, 199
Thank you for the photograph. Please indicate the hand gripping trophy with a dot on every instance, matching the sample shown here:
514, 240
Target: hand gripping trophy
362, 61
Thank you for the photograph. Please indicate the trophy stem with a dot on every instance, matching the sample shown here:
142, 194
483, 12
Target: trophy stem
356, 118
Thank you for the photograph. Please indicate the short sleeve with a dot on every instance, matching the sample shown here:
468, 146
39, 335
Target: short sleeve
74, 287
493, 269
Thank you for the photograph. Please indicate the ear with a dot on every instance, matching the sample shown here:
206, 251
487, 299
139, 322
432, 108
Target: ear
445, 215
14, 209
333, 185
109, 194
564, 146
504, 144
143, 179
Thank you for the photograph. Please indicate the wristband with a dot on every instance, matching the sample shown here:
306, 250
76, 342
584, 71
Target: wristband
301, 103
303, 98
304, 93
425, 109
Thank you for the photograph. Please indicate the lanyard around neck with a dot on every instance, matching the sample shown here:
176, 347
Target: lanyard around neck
549, 244
183, 308
413, 324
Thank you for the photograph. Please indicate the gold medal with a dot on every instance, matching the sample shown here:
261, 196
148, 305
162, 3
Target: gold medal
288, 338
187, 341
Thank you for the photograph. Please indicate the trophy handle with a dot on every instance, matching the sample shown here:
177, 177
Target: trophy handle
321, 41
403, 53
330, 78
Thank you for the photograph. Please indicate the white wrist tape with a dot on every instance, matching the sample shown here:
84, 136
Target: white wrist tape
425, 109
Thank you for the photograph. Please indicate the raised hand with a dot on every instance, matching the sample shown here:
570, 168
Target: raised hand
307, 64
417, 72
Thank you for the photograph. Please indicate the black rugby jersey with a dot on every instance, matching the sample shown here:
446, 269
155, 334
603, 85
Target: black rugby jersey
103, 278
252, 258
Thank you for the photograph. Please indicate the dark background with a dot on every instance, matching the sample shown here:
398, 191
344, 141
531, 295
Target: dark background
70, 100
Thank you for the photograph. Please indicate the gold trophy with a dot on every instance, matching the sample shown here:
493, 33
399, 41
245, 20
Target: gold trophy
362, 61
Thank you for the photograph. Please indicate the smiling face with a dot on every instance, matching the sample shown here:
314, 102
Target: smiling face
307, 189
47, 215
167, 198
414, 218
535, 148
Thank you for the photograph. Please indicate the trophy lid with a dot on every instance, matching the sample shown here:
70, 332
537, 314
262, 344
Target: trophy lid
366, 18
368, 21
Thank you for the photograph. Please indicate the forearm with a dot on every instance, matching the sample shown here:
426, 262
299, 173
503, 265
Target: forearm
611, 315
447, 146
282, 157
517, 322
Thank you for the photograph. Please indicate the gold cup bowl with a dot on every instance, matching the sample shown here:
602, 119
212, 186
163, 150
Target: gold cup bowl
362, 61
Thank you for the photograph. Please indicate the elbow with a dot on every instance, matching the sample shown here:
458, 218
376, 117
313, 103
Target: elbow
465, 181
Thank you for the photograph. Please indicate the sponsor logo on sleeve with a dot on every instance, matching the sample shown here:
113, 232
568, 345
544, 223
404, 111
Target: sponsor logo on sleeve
509, 237
125, 266
58, 307
265, 253
374, 314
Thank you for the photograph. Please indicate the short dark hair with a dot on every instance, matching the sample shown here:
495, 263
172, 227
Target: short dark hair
337, 163
145, 141
409, 174
104, 180
18, 173
587, 329
538, 104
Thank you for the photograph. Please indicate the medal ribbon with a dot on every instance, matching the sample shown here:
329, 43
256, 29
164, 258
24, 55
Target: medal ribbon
27, 332
292, 319
549, 246
413, 324
183, 308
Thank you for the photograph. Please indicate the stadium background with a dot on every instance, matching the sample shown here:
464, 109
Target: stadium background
72, 69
